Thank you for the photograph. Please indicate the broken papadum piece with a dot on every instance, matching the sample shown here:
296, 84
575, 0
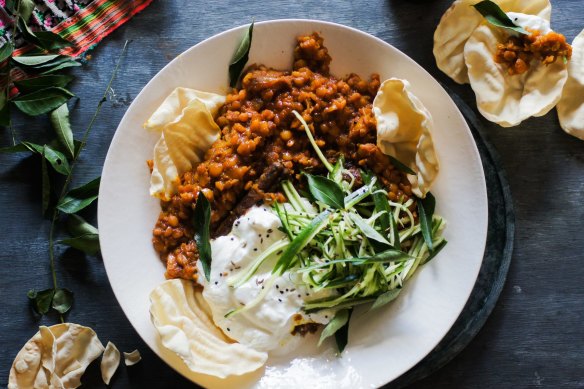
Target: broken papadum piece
571, 105
509, 99
187, 130
131, 358
404, 131
173, 106
109, 362
458, 23
185, 325
55, 357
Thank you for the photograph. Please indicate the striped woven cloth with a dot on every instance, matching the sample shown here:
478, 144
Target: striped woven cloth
82, 22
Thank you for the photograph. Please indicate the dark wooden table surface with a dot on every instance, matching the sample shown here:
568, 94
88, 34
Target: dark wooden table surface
535, 336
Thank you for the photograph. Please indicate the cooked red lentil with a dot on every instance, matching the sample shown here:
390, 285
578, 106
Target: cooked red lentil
518, 51
262, 143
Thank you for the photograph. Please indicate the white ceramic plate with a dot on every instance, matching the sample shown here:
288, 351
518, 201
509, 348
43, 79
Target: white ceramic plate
382, 345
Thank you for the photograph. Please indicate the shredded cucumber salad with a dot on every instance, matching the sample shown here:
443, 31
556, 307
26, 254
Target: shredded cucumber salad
352, 241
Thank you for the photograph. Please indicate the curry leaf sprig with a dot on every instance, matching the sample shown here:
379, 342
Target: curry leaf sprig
44, 92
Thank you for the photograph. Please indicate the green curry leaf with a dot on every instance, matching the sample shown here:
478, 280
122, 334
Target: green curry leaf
495, 15
79, 198
42, 82
201, 222
41, 300
339, 321
326, 191
426, 212
84, 236
6, 51
385, 298
42, 101
62, 300
60, 121
342, 334
401, 166
240, 58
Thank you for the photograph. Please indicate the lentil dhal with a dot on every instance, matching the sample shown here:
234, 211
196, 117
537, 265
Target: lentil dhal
518, 51
259, 131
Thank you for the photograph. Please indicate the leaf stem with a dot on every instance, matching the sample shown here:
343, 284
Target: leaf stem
69, 176
90, 126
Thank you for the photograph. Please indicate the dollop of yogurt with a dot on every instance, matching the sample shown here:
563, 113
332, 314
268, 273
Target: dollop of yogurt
266, 326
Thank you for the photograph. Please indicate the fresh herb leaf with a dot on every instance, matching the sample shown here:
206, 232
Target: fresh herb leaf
339, 321
326, 191
369, 231
426, 212
342, 334
85, 237
25, 9
42, 82
437, 249
88, 243
300, 241
240, 58
63, 65
54, 157
76, 226
46, 182
401, 166
389, 255
495, 15
385, 298
79, 198
42, 101
6, 51
44, 39
44, 64
337, 173
201, 222
386, 219
32, 61
62, 300
60, 121
41, 300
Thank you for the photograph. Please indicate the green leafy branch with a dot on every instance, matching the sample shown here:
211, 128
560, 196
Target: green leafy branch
45, 93
44, 90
